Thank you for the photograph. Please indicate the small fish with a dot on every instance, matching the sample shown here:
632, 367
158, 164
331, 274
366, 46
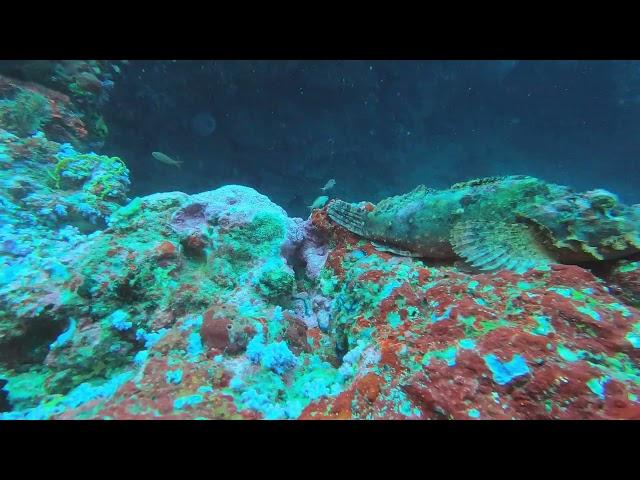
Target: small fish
319, 202
161, 157
329, 185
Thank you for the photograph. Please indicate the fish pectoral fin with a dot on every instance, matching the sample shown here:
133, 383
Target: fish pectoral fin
498, 245
395, 250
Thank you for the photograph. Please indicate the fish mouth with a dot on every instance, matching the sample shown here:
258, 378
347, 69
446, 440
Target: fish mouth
568, 246
541, 233
563, 246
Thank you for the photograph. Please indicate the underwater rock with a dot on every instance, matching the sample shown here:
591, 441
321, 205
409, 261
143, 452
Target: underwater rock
551, 343
194, 244
5, 406
26, 108
218, 305
296, 335
46, 229
313, 309
314, 250
624, 281
76, 92
230, 206
225, 329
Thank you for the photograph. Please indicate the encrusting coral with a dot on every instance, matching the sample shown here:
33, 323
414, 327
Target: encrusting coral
218, 305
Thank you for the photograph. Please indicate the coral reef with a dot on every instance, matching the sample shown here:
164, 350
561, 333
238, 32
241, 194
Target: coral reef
218, 305
63, 98
550, 343
26, 108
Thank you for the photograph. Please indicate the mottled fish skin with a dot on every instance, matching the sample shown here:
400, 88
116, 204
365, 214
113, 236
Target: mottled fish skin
572, 227
587, 226
419, 221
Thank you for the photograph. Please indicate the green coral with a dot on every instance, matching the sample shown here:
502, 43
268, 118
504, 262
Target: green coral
25, 114
127, 211
259, 239
106, 172
54, 174
276, 284
108, 182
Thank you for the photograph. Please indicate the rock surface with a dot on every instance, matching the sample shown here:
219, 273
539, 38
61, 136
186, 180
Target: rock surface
218, 305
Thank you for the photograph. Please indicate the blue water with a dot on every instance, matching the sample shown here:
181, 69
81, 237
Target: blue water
378, 127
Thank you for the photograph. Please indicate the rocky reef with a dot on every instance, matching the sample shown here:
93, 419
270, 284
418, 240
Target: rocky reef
62, 98
219, 306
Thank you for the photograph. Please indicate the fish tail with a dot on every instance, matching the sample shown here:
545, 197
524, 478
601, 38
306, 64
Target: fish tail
348, 216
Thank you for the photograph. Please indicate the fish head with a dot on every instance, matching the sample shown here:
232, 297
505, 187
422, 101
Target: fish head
582, 227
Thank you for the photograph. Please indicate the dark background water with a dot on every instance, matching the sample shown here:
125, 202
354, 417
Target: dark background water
378, 127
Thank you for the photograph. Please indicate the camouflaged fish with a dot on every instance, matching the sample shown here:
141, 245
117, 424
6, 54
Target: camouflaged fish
513, 222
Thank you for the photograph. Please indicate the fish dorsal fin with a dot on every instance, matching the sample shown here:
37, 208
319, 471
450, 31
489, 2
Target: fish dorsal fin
476, 182
348, 216
497, 245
